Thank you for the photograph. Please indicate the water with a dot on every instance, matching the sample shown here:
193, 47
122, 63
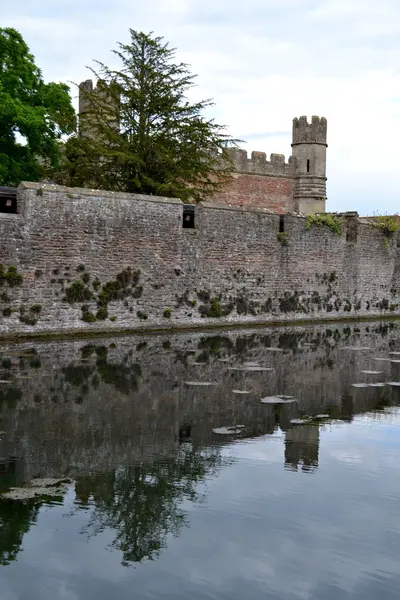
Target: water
175, 489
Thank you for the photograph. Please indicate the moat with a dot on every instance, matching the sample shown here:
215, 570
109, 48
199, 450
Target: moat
247, 464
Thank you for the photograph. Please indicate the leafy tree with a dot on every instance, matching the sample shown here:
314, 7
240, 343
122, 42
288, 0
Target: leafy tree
139, 133
33, 115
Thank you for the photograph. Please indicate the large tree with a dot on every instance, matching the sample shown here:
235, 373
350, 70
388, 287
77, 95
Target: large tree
140, 133
33, 115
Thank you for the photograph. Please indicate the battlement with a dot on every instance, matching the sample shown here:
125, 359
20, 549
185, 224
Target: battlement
258, 163
312, 133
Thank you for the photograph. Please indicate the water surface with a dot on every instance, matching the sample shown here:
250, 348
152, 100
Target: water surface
180, 483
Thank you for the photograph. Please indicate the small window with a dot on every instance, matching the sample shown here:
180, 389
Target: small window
8, 200
281, 224
308, 165
188, 216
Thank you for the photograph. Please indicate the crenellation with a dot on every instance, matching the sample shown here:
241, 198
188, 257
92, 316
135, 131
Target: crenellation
258, 163
305, 132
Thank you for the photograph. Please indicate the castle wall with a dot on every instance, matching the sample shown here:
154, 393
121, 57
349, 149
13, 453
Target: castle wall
259, 183
229, 269
273, 193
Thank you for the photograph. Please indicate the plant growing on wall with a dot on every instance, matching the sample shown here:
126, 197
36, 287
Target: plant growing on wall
389, 225
34, 114
139, 133
332, 221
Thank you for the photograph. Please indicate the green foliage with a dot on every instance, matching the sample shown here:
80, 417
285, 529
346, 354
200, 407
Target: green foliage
389, 225
78, 292
11, 276
7, 312
87, 315
102, 313
39, 113
96, 284
36, 309
85, 277
334, 223
282, 238
28, 319
215, 309
113, 318
167, 313
142, 315
144, 134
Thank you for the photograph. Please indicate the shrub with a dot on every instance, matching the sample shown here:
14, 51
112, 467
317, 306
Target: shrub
332, 221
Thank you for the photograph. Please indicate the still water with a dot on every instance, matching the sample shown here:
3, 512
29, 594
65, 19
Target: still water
173, 480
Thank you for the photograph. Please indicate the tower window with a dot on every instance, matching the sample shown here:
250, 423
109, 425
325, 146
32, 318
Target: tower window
281, 224
308, 165
188, 216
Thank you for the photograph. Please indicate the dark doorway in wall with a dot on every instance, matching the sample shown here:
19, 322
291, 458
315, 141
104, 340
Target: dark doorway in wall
188, 216
308, 165
8, 200
281, 224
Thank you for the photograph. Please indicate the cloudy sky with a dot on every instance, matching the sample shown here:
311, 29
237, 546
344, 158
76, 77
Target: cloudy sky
263, 62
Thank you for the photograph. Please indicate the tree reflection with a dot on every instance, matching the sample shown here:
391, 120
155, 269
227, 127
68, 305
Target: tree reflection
142, 503
16, 517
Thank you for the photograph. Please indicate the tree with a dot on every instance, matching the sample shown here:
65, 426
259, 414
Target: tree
139, 133
33, 115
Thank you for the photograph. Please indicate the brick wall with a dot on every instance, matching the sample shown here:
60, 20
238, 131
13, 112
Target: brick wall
230, 269
259, 191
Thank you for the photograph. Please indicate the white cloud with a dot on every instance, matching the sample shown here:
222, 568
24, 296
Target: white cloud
263, 62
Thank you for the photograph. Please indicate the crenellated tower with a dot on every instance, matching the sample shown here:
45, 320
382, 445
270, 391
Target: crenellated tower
309, 158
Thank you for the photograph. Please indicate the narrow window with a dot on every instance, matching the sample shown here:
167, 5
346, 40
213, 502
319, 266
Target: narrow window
308, 165
8, 200
188, 216
281, 224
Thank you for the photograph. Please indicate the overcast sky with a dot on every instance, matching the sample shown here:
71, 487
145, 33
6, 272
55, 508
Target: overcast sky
263, 62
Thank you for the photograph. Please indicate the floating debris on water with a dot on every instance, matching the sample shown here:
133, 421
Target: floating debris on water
321, 416
278, 399
394, 383
360, 385
240, 392
378, 384
355, 348
274, 349
200, 383
372, 372
38, 487
300, 421
383, 359
232, 430
396, 353
251, 369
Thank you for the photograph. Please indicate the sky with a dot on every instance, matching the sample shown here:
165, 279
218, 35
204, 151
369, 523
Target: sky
263, 62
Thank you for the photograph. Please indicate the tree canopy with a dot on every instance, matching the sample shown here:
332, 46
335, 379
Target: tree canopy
139, 132
33, 114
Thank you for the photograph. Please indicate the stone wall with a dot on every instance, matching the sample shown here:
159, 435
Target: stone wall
93, 260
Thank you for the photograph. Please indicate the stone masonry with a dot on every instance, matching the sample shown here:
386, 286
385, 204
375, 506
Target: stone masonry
86, 260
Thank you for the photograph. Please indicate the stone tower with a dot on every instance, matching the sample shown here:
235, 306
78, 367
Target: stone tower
105, 99
309, 155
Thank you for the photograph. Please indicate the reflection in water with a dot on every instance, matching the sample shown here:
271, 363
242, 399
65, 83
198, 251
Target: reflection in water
139, 443
142, 503
15, 520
